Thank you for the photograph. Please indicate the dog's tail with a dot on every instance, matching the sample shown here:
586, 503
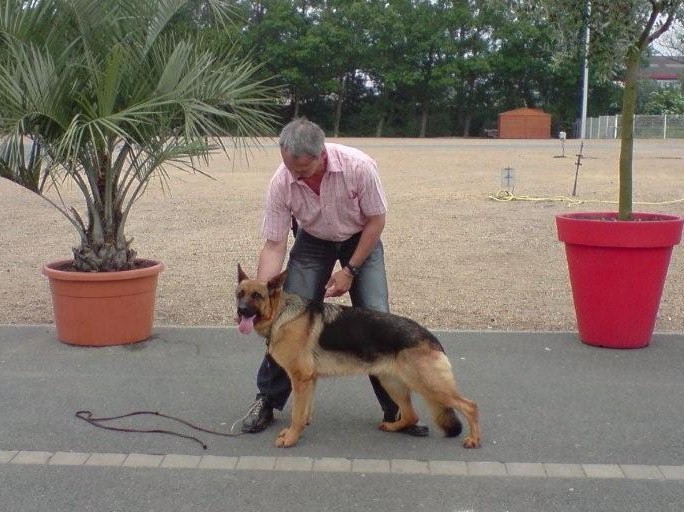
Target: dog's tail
446, 419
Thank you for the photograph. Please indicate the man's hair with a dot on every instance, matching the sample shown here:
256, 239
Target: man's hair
302, 137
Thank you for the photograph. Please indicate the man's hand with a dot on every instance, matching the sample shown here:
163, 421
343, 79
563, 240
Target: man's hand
339, 283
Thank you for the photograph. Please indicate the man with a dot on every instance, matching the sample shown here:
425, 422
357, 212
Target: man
335, 195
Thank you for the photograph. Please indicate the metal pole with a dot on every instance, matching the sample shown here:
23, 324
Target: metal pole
585, 77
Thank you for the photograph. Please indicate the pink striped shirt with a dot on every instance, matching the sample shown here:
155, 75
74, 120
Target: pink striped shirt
350, 192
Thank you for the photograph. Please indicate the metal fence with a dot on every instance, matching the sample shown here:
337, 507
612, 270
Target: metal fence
645, 127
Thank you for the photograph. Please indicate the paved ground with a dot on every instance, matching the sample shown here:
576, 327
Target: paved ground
566, 427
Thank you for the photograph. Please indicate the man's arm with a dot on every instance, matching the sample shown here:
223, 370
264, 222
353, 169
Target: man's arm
369, 238
340, 282
271, 259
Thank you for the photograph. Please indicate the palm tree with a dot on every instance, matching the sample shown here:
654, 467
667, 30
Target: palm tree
107, 95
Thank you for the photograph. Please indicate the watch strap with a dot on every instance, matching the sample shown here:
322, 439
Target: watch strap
355, 271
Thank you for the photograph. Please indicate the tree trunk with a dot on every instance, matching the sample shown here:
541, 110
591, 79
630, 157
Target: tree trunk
295, 100
627, 133
104, 257
338, 109
380, 126
423, 123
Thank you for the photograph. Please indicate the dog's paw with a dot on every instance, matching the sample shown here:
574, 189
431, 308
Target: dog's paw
385, 426
394, 426
286, 438
471, 442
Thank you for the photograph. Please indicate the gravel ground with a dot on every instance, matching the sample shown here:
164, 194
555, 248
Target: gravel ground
456, 258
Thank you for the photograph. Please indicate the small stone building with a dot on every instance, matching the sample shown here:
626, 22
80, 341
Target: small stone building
525, 123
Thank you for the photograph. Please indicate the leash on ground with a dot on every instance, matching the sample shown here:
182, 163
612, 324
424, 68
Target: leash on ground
98, 422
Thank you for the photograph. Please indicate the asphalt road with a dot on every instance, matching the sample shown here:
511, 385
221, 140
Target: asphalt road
566, 427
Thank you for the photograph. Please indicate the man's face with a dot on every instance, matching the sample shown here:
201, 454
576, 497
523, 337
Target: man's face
302, 166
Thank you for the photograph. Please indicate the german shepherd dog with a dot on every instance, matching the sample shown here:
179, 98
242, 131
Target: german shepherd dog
311, 340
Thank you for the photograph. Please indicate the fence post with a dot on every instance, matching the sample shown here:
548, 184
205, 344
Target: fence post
665, 126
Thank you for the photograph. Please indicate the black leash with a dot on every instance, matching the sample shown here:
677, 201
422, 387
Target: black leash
87, 416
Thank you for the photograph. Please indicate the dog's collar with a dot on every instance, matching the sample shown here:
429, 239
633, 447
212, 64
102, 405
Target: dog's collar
267, 339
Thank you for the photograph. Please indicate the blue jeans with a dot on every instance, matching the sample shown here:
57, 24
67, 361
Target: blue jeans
310, 265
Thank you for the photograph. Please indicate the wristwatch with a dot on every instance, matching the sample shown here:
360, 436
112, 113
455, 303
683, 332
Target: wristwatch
355, 271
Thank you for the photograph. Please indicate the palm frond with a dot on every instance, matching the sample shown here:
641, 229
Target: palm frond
114, 96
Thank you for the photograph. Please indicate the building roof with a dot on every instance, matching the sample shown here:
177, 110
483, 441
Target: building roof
525, 112
664, 68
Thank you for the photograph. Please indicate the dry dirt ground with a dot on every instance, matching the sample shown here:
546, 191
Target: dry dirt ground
456, 259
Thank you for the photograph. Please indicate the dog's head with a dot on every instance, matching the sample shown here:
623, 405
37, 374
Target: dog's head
257, 301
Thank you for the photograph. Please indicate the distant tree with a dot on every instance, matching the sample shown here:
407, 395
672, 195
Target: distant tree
665, 100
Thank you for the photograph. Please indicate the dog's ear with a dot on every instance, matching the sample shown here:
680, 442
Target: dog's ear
276, 283
241, 274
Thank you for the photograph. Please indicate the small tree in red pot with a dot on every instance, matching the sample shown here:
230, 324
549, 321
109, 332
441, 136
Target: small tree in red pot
618, 260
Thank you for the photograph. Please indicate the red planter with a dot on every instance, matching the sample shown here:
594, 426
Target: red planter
617, 273
103, 308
